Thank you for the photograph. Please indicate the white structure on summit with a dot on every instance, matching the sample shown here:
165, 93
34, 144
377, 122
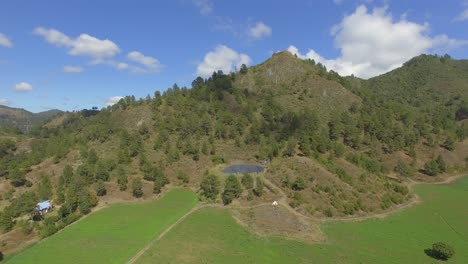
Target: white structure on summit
274, 203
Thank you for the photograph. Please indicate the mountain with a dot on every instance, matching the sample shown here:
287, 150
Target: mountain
333, 146
24, 120
298, 84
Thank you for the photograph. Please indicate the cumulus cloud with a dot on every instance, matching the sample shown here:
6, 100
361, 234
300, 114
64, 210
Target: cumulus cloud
462, 16
372, 43
222, 58
150, 64
205, 6
5, 41
72, 69
23, 87
113, 100
260, 30
83, 45
4, 101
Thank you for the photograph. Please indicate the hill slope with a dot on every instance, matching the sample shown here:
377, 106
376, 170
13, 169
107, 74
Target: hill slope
24, 120
333, 146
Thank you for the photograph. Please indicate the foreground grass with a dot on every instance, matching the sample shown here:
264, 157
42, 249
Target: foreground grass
112, 235
211, 236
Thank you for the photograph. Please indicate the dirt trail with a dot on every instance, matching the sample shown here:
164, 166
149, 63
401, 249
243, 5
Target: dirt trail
284, 199
169, 228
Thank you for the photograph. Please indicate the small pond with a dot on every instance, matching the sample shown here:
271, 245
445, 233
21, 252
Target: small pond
244, 168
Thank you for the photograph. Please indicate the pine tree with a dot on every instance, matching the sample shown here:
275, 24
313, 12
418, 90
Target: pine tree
210, 186
232, 189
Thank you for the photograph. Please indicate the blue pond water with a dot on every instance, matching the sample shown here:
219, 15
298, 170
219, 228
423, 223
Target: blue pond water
244, 168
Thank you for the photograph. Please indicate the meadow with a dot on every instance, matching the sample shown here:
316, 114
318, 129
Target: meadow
211, 235
111, 235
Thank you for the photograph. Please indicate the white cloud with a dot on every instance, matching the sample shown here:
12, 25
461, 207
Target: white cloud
113, 100
23, 87
72, 69
205, 6
83, 45
222, 58
371, 43
4, 101
462, 16
150, 64
5, 41
260, 30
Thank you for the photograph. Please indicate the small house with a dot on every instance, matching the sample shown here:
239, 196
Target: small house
43, 207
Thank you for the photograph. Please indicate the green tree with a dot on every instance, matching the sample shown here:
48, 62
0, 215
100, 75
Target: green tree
431, 168
137, 186
101, 171
160, 181
299, 184
183, 177
101, 188
60, 191
232, 189
248, 181
290, 149
6, 220
441, 250
44, 189
86, 201
403, 169
243, 69
259, 186
67, 174
122, 178
441, 163
92, 157
210, 186
147, 170
449, 144
17, 178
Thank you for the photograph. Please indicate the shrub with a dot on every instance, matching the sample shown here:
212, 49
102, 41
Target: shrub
403, 169
442, 250
137, 186
259, 187
299, 184
101, 188
183, 177
247, 181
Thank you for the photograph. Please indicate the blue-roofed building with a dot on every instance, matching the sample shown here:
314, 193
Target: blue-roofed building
43, 207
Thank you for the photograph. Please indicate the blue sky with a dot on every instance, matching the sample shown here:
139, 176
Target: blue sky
74, 54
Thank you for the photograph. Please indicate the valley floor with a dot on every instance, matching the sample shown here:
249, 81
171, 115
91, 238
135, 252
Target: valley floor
211, 235
175, 230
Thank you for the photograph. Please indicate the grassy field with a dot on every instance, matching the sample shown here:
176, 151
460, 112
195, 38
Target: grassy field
212, 236
112, 235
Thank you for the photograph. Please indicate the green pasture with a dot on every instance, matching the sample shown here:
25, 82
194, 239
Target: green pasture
111, 235
211, 235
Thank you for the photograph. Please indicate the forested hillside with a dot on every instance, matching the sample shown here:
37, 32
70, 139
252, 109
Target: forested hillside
14, 118
336, 146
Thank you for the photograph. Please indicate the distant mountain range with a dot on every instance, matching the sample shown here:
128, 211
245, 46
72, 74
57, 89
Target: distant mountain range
24, 120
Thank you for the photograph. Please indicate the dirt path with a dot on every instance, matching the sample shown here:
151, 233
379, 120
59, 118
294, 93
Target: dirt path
169, 228
284, 199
